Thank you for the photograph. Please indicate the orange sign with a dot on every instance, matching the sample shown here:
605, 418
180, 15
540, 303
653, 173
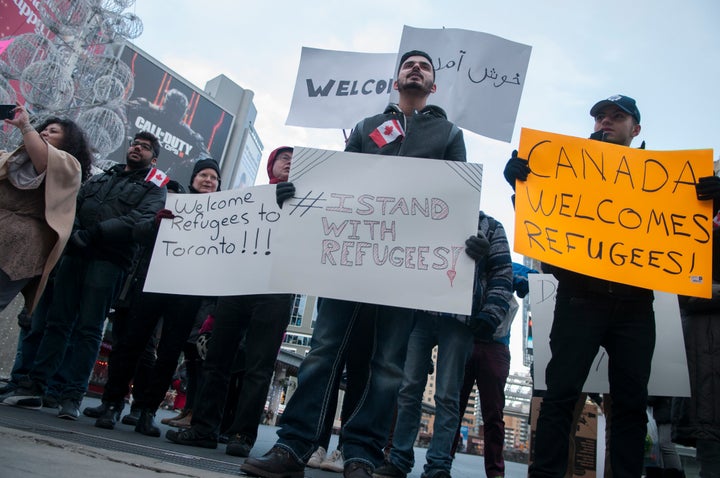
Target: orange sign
621, 214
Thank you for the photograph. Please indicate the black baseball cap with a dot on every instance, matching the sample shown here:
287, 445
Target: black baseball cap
625, 103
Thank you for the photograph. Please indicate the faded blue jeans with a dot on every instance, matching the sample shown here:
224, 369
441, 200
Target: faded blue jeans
84, 290
367, 428
455, 342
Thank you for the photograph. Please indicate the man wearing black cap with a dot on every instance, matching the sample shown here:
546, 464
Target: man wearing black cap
410, 128
590, 313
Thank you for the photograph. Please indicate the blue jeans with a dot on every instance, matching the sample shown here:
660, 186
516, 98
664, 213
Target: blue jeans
366, 430
581, 325
84, 290
454, 341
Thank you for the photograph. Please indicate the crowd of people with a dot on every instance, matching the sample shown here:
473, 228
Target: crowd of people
78, 247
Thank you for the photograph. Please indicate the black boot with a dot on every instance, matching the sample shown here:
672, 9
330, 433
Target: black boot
146, 424
109, 417
132, 417
96, 412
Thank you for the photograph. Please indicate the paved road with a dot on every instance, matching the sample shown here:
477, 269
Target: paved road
38, 444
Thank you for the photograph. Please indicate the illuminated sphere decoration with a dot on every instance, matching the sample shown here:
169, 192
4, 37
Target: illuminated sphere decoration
104, 129
25, 50
47, 85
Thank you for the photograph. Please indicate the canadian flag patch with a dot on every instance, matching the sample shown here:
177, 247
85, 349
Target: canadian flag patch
157, 177
387, 132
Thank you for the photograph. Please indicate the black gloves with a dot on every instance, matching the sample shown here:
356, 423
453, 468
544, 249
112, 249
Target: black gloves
516, 169
708, 188
521, 286
82, 238
477, 247
481, 329
284, 192
163, 214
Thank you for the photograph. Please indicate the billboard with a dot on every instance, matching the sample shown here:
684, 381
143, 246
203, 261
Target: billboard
189, 125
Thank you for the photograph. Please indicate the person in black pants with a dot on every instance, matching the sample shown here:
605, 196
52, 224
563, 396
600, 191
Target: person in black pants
590, 313
261, 320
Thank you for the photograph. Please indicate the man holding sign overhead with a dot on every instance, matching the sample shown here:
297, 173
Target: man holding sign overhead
589, 313
410, 128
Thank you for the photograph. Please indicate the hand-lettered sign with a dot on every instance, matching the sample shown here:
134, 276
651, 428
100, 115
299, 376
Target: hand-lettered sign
479, 76
217, 244
621, 214
380, 229
669, 373
377, 229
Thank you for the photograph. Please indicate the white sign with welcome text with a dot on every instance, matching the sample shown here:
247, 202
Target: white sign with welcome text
335, 89
479, 77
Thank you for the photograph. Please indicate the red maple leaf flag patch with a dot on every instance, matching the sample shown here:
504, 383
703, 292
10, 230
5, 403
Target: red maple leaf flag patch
387, 132
157, 177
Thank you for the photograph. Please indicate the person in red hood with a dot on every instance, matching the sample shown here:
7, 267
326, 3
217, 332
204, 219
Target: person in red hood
260, 319
278, 166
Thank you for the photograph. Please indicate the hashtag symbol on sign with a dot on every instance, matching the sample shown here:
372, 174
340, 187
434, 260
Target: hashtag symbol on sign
306, 203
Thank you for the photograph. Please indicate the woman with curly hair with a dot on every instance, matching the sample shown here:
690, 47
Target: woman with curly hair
39, 182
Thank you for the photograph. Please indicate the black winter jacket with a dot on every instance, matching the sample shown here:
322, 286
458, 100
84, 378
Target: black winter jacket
428, 134
111, 204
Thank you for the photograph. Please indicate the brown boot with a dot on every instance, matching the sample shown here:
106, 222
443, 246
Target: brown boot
183, 413
184, 422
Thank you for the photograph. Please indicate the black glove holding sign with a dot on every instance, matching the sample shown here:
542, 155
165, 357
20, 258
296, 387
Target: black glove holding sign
708, 188
516, 169
283, 192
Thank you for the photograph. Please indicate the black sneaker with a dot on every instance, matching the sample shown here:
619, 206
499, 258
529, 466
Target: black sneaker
109, 417
69, 409
28, 395
146, 424
357, 469
388, 470
239, 445
132, 417
190, 437
276, 463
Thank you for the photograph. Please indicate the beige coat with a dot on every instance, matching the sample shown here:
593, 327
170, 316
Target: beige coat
62, 183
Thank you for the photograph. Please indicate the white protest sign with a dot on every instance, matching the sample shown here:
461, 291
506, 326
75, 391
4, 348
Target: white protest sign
479, 77
669, 374
335, 88
217, 244
379, 229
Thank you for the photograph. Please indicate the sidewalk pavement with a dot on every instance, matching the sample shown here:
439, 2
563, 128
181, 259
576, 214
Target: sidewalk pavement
36, 443
24, 454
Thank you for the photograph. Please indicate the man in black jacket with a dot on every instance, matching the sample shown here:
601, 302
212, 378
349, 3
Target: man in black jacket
99, 252
408, 129
589, 313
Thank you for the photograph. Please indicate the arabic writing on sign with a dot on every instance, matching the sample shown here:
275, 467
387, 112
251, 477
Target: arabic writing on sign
489, 74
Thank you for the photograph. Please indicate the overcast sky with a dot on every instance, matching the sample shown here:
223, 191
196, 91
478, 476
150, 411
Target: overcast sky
662, 53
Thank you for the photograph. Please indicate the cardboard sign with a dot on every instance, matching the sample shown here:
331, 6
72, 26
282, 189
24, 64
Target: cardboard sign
335, 88
353, 231
479, 77
380, 229
669, 372
617, 213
